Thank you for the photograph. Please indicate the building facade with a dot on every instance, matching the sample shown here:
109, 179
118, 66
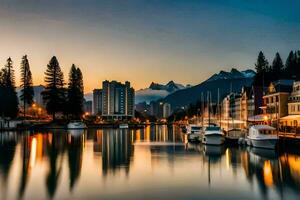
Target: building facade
97, 101
166, 110
247, 104
117, 99
88, 107
293, 117
275, 100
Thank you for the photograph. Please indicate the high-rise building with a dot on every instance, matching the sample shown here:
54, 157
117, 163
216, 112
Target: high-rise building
117, 99
160, 109
87, 107
166, 110
97, 101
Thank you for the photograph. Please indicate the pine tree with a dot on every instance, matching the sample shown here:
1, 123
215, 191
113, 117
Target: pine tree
54, 94
297, 58
277, 68
9, 99
75, 92
262, 69
291, 66
27, 92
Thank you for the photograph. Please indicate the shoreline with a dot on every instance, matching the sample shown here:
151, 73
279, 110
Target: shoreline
63, 126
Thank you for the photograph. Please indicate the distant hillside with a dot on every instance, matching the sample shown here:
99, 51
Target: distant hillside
157, 91
224, 81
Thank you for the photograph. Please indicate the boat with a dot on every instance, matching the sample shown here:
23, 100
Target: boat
213, 135
263, 136
194, 133
123, 126
233, 135
76, 125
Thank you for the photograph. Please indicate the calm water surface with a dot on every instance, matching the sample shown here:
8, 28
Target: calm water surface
154, 163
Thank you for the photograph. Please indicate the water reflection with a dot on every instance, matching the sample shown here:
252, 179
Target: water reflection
8, 142
66, 165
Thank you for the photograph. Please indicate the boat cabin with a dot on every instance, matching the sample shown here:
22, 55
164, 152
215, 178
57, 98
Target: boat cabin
262, 130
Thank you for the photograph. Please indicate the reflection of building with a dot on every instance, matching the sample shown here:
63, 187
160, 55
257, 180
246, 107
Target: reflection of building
116, 150
97, 101
98, 136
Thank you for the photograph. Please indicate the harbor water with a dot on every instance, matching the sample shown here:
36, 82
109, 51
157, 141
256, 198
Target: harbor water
156, 162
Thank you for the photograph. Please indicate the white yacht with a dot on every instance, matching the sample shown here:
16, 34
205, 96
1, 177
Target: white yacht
194, 132
213, 135
263, 136
76, 125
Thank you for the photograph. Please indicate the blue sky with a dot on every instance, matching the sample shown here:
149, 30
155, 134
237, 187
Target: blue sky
146, 40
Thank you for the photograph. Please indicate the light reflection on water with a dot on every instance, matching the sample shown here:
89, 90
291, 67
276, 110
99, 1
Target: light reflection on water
151, 163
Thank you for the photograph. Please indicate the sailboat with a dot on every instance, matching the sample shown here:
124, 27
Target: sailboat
234, 134
195, 131
213, 135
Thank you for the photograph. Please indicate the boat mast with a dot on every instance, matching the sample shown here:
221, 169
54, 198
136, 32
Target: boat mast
202, 108
219, 107
208, 106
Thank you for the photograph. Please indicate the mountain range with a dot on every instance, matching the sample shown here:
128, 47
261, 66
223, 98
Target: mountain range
224, 82
157, 91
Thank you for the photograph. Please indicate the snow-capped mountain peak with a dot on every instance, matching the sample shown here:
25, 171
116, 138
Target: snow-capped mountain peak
233, 74
157, 91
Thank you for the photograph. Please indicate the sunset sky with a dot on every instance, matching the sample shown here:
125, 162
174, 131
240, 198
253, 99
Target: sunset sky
146, 40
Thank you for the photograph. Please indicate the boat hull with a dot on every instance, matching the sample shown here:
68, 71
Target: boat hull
264, 143
231, 141
213, 139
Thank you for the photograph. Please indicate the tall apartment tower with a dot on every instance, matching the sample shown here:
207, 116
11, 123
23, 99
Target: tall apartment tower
97, 101
117, 99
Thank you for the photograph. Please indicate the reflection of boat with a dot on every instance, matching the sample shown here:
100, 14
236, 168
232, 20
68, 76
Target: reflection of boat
232, 137
123, 126
193, 147
213, 151
76, 132
194, 132
265, 153
76, 125
263, 136
213, 135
